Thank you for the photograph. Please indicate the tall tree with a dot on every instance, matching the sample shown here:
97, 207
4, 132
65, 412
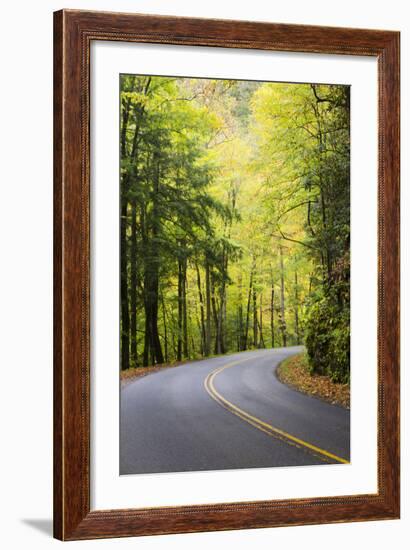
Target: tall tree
235, 223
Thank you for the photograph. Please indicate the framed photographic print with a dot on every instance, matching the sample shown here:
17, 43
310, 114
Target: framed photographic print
226, 330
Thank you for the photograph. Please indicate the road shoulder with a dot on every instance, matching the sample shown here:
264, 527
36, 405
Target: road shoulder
294, 372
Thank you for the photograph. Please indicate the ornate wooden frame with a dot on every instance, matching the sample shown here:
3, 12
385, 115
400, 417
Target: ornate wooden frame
73, 33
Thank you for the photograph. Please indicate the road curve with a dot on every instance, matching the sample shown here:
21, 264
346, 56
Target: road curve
227, 412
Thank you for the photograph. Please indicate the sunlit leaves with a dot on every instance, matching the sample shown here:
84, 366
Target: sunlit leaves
246, 179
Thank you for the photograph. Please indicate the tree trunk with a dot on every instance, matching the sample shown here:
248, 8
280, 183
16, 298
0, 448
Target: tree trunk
297, 309
208, 309
219, 325
261, 340
248, 309
201, 340
222, 308
282, 299
180, 309
216, 318
134, 285
125, 314
240, 316
202, 312
255, 320
146, 354
152, 348
164, 320
184, 310
272, 313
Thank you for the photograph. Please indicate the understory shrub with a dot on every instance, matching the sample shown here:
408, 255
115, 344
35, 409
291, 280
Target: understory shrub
327, 339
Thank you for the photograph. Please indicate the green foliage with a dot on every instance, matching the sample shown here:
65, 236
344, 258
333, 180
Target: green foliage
304, 146
234, 219
327, 339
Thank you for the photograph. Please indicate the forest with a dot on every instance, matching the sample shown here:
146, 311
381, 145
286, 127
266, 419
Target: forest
235, 220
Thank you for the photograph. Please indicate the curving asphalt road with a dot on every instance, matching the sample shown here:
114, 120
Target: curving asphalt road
224, 413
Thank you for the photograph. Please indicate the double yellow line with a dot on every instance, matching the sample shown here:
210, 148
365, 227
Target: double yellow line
260, 424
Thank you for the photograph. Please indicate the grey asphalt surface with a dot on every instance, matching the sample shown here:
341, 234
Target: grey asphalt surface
169, 423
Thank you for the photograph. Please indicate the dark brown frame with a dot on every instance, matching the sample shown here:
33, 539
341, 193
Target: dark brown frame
73, 33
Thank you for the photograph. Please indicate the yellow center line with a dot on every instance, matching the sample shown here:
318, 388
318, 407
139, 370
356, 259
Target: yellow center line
260, 424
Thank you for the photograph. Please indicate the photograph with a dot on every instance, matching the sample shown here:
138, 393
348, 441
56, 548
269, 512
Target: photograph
226, 286
234, 221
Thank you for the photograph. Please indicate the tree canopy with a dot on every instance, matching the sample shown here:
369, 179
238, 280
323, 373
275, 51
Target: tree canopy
235, 219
